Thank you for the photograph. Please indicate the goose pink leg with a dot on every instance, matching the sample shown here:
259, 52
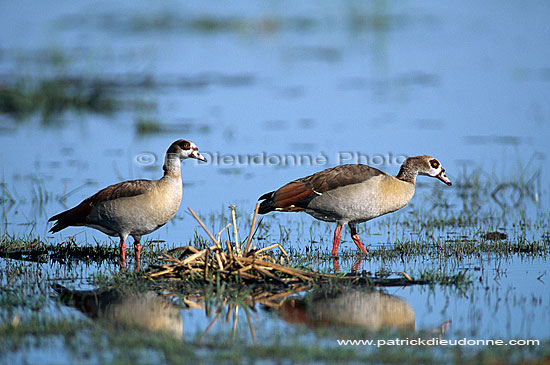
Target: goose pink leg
356, 266
335, 265
355, 237
337, 235
137, 253
122, 251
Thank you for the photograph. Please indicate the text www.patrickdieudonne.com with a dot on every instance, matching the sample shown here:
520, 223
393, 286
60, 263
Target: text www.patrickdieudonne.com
437, 342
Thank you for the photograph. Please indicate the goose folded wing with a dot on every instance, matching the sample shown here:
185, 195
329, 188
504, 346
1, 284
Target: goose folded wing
299, 193
78, 214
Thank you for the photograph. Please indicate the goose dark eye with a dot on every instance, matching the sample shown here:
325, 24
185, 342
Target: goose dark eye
434, 163
185, 145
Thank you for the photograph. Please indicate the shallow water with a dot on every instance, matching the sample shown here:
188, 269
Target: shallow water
255, 85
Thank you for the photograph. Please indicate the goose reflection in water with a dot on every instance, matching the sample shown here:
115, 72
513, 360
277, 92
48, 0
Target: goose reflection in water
369, 310
145, 310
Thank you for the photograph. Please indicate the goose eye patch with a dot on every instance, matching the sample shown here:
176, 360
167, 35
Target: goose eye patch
434, 163
185, 145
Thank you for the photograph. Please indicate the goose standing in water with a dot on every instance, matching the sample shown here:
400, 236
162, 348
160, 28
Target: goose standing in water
352, 194
136, 207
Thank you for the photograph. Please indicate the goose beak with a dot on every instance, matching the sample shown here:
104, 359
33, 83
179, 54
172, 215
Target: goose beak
441, 176
196, 154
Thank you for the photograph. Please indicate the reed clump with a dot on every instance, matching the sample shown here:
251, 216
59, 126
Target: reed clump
234, 262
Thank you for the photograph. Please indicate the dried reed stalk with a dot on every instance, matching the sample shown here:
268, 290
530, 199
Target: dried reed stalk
252, 228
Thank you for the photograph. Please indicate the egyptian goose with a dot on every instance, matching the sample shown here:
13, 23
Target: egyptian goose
351, 194
133, 208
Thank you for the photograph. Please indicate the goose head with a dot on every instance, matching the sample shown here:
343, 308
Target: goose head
429, 166
183, 149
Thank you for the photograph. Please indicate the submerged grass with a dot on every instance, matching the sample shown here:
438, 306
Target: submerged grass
94, 342
53, 96
460, 249
33, 248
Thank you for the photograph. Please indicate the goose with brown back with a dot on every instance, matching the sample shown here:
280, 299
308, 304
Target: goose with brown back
133, 208
352, 194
